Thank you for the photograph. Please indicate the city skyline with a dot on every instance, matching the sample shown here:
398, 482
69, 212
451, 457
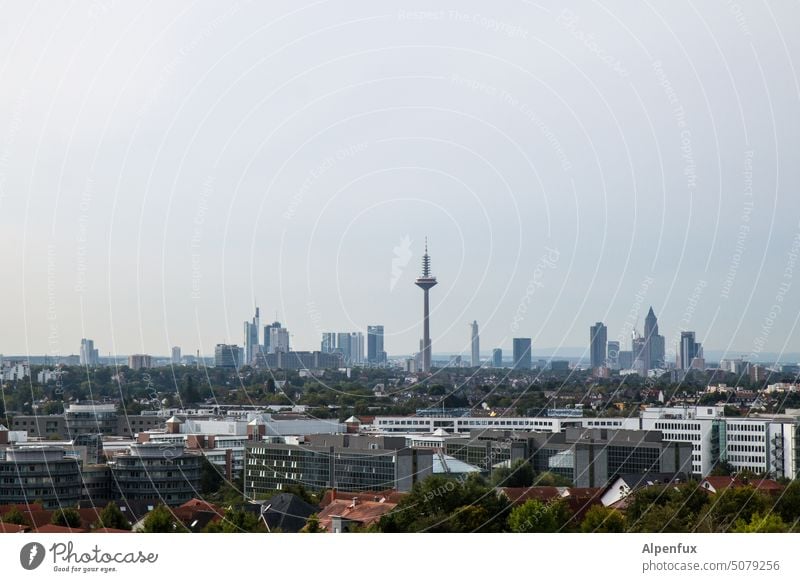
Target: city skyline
149, 201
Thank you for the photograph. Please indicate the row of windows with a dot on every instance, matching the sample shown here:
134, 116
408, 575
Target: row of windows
747, 448
695, 426
747, 437
748, 427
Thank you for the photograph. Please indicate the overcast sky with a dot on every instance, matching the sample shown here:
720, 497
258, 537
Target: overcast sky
165, 165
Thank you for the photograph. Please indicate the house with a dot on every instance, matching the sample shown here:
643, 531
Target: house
286, 512
345, 511
615, 494
577, 499
717, 483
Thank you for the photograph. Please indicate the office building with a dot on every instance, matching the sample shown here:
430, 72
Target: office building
176, 356
227, 356
653, 354
278, 339
522, 353
300, 361
157, 472
140, 362
688, 350
497, 358
328, 344
39, 473
476, 345
376, 354
612, 355
426, 282
345, 462
89, 356
251, 343
625, 360
598, 339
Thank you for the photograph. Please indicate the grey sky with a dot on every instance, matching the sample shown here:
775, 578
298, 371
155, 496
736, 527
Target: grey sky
164, 165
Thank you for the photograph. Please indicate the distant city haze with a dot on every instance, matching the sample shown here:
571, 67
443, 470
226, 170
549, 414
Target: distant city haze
165, 168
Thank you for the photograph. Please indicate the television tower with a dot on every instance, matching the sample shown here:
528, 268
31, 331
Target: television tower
425, 282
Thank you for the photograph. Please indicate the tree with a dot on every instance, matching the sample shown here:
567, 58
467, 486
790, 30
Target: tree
535, 516
210, 477
189, 392
301, 492
236, 520
15, 516
728, 506
66, 517
601, 519
435, 505
769, 523
520, 474
161, 520
723, 468
312, 525
788, 506
111, 517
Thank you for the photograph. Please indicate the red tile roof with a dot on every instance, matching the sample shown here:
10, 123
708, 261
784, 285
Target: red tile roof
389, 495
365, 513
109, 530
50, 528
12, 528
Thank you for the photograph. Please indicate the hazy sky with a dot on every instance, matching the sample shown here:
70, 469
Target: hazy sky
165, 165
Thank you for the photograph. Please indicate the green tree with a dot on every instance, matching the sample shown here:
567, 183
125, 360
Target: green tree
15, 516
111, 517
161, 520
66, 517
535, 516
725, 508
210, 477
601, 519
433, 503
788, 506
189, 392
236, 520
758, 523
312, 525
520, 474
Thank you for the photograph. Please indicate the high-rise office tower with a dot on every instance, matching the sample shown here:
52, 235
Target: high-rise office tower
357, 348
654, 353
89, 356
278, 339
497, 358
251, 345
598, 340
613, 355
522, 353
227, 356
176, 355
476, 345
375, 352
688, 350
328, 344
426, 282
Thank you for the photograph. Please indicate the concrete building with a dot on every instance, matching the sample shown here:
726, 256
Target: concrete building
251, 342
41, 473
157, 472
475, 344
497, 358
613, 355
89, 356
346, 462
376, 353
598, 340
227, 356
300, 361
278, 339
176, 356
140, 362
522, 353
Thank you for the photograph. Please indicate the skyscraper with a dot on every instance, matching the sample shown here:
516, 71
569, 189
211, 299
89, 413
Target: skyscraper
613, 355
278, 338
497, 358
176, 355
688, 350
522, 353
654, 353
476, 345
89, 356
375, 352
328, 344
426, 282
251, 330
598, 340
